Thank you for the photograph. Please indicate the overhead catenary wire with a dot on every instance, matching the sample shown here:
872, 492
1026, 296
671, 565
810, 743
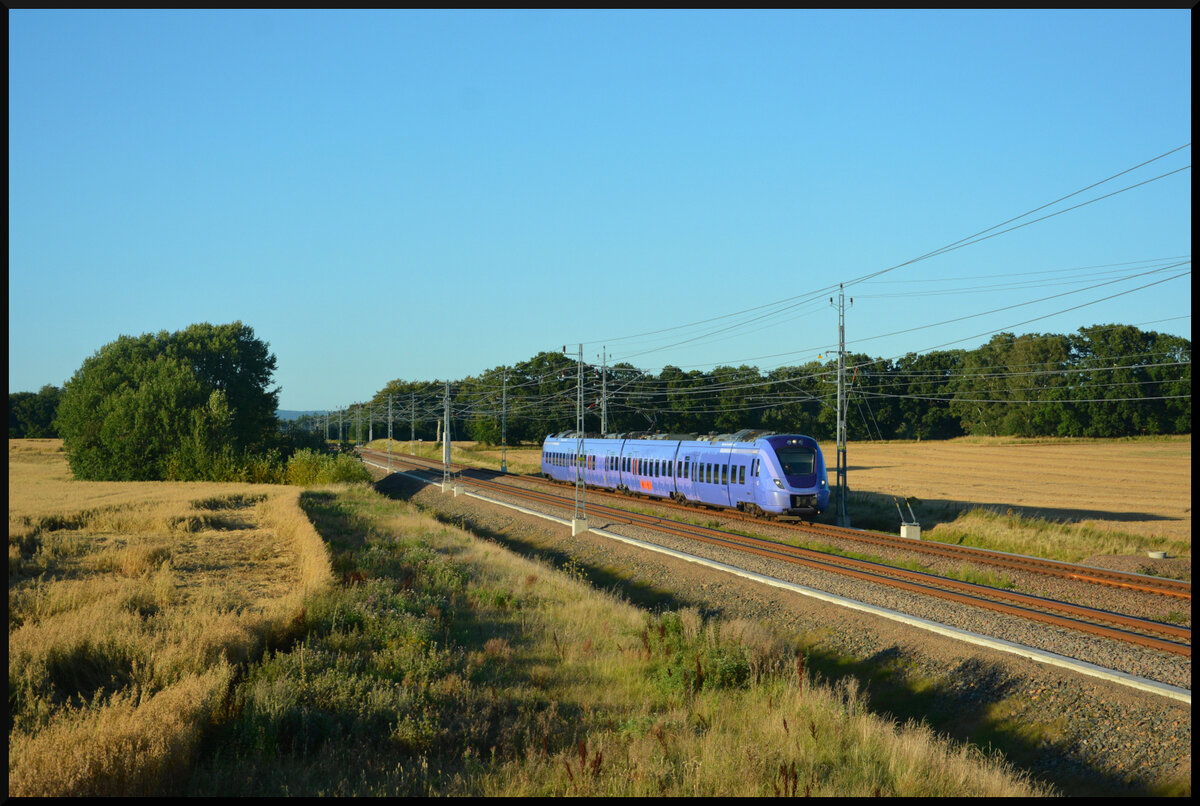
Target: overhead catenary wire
960, 243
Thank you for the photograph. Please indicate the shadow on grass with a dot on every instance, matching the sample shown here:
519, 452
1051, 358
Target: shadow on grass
969, 704
878, 511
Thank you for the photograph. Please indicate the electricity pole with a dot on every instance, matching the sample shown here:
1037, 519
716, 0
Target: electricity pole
579, 523
843, 519
446, 441
604, 393
504, 421
389, 433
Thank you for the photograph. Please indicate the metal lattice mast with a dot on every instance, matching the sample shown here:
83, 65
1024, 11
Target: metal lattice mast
604, 392
412, 421
446, 440
842, 518
389, 433
504, 421
580, 507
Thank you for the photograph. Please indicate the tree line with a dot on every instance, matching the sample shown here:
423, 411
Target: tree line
198, 403
1102, 381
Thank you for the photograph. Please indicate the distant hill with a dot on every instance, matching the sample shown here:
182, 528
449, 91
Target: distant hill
288, 414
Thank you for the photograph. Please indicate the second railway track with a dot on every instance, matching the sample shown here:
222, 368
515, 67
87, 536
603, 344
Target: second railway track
1156, 635
1170, 588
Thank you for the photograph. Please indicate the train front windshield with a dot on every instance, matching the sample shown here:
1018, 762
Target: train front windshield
797, 461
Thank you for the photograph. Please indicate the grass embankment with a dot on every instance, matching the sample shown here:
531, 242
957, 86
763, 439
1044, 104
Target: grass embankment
446, 665
131, 608
1064, 499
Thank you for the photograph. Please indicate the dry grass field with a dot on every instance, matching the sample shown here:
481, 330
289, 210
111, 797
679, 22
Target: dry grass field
130, 605
1139, 486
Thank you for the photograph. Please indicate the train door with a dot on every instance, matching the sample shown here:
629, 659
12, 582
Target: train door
740, 481
634, 481
721, 476
684, 484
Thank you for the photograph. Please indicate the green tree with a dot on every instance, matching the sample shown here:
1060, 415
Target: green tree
31, 415
140, 408
797, 397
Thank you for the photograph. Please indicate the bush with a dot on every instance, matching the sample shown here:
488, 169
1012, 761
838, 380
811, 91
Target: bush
308, 467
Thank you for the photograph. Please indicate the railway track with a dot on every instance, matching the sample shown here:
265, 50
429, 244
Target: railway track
1170, 638
1174, 589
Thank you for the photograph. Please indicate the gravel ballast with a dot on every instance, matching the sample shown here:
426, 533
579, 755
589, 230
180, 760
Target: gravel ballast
1081, 733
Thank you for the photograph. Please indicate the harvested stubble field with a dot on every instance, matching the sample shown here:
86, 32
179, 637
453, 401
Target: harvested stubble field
1141, 486
130, 607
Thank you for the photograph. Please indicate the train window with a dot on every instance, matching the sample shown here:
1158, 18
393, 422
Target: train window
686, 466
741, 474
708, 473
797, 461
724, 474
657, 468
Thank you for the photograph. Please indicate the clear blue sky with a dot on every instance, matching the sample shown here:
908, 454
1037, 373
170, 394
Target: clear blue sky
428, 195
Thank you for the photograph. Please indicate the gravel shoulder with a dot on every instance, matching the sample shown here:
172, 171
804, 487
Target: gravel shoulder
1083, 734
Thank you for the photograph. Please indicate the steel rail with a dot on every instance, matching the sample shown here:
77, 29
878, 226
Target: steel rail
1165, 587
1021, 605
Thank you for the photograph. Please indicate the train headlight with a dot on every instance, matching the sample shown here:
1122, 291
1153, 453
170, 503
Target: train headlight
822, 482
779, 484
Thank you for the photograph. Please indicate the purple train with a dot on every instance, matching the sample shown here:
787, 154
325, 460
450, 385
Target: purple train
773, 475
